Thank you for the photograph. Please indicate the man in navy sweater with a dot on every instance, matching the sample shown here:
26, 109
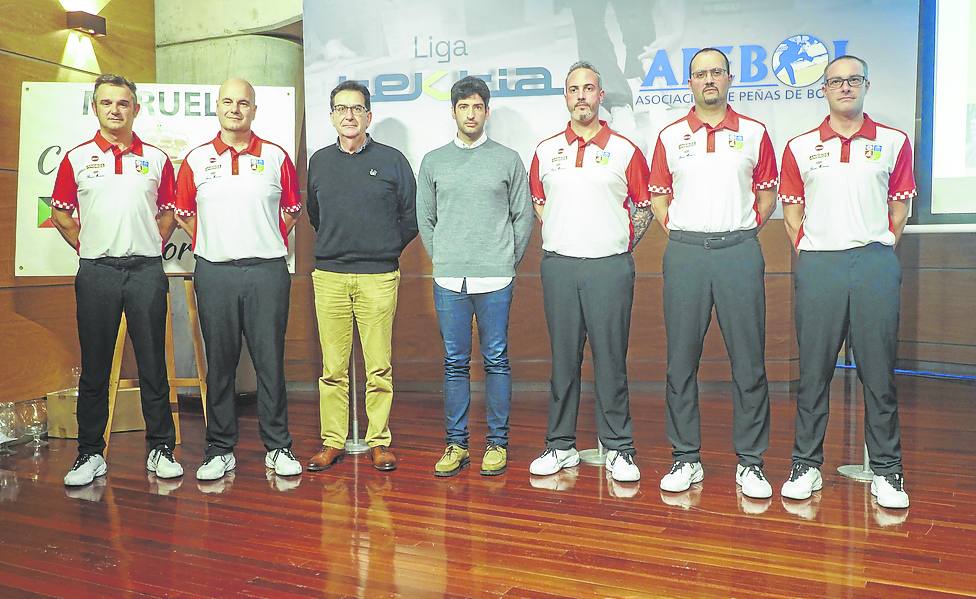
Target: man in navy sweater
362, 205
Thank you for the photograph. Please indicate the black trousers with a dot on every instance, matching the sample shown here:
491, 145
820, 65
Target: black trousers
250, 297
589, 298
104, 288
857, 290
724, 271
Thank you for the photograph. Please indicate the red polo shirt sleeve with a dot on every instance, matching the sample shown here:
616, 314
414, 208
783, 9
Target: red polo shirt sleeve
291, 199
660, 176
638, 176
536, 189
901, 183
764, 176
166, 196
65, 194
186, 190
791, 183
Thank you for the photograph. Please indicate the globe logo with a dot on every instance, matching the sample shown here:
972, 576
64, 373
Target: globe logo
800, 60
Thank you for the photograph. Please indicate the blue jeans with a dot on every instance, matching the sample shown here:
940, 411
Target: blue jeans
454, 312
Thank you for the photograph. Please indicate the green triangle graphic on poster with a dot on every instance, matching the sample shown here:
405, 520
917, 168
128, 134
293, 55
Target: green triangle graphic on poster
44, 213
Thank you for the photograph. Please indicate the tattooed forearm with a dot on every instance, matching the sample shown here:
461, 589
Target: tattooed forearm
641, 219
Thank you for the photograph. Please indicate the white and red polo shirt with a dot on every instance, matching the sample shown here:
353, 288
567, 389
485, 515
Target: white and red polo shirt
586, 189
118, 194
238, 198
712, 173
845, 184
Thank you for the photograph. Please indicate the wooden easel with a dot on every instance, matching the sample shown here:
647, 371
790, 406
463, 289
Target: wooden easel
115, 383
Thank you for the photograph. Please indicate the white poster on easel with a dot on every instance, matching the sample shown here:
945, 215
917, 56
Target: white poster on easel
56, 117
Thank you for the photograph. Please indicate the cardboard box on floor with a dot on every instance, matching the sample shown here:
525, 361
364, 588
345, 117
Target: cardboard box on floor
62, 407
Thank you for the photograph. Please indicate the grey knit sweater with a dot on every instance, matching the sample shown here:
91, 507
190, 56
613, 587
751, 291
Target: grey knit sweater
473, 210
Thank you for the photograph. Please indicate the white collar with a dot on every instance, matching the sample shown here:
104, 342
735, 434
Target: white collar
481, 140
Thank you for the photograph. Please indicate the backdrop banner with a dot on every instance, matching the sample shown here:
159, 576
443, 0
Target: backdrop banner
56, 117
410, 53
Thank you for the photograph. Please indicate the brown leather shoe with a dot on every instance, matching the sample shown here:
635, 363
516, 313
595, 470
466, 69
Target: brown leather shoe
325, 459
383, 458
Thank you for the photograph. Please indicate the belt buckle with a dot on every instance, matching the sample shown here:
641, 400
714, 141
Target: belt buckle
710, 240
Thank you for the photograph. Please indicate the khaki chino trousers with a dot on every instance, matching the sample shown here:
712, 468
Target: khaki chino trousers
371, 299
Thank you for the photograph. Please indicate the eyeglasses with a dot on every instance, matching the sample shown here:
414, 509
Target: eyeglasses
716, 73
838, 82
357, 109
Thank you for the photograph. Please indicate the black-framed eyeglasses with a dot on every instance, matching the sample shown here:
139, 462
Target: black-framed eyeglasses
838, 82
357, 109
715, 73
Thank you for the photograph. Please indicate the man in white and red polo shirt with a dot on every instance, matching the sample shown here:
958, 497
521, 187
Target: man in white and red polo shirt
713, 185
845, 192
123, 190
238, 197
589, 186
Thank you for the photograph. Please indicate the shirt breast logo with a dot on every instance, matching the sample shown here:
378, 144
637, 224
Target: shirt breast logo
142, 166
603, 158
872, 152
257, 165
372, 172
736, 142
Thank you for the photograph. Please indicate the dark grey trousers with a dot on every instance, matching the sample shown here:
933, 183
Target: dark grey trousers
728, 275
249, 297
857, 290
589, 298
104, 288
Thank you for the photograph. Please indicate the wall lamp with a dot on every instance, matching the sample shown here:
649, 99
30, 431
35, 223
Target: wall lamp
86, 22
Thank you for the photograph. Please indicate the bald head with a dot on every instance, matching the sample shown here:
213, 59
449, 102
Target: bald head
237, 87
236, 106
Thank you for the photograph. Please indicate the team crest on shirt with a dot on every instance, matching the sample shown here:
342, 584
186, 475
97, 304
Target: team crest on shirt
736, 141
142, 166
372, 172
257, 165
603, 158
872, 151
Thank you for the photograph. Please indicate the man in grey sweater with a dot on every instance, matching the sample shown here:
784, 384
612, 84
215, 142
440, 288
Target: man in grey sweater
475, 219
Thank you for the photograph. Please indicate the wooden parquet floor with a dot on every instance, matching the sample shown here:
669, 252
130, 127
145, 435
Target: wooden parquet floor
355, 532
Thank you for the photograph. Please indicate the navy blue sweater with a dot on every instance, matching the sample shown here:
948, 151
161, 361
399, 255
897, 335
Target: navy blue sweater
362, 207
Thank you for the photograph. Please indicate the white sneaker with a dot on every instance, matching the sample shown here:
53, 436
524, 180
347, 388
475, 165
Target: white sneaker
216, 466
283, 462
802, 483
553, 460
621, 490
162, 462
890, 490
753, 481
621, 467
682, 476
86, 468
